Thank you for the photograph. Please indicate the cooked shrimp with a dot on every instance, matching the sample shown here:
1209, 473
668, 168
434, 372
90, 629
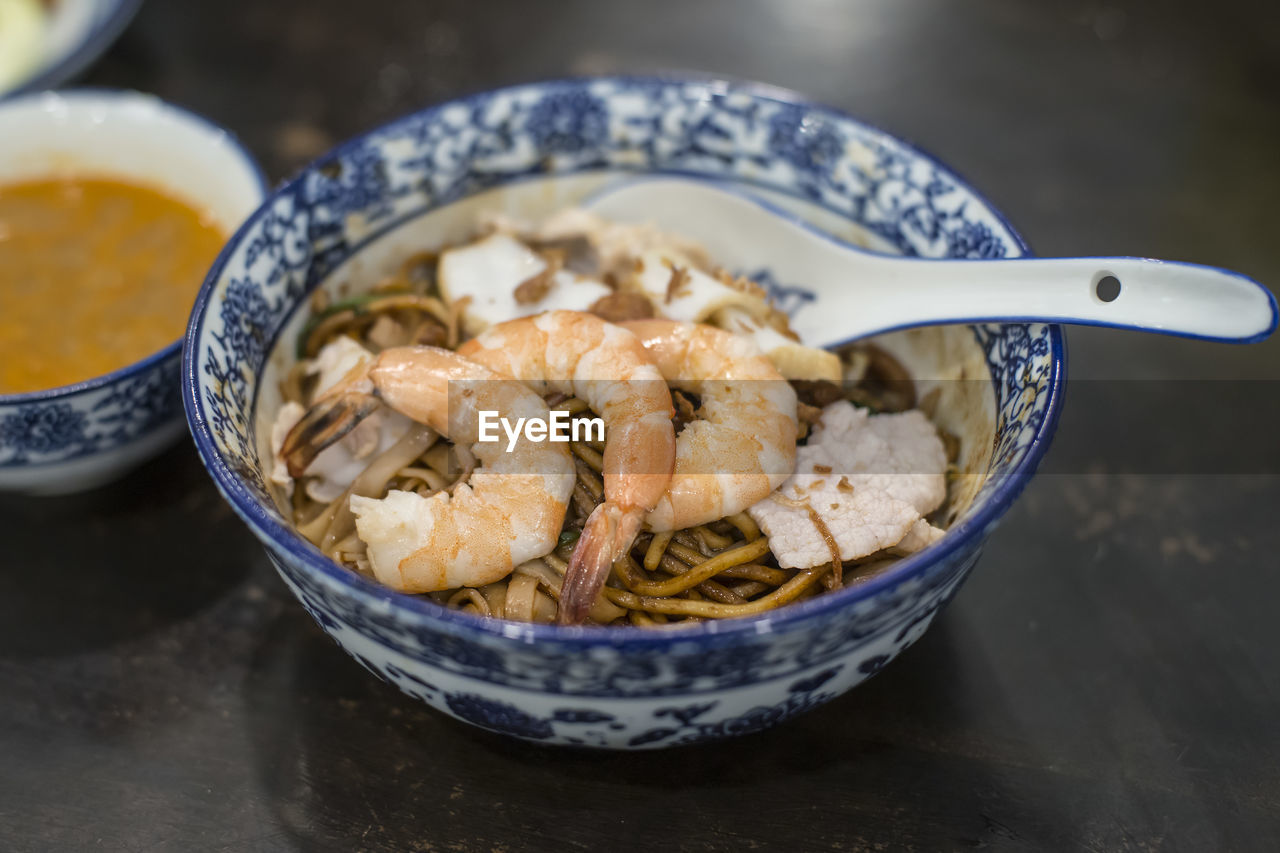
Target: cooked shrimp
570, 352
744, 445
510, 511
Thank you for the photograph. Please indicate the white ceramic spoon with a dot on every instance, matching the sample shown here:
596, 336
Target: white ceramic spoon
865, 292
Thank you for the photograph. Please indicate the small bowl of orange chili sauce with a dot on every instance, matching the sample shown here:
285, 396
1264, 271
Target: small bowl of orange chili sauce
113, 206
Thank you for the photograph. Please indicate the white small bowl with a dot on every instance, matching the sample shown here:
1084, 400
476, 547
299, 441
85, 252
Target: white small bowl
78, 436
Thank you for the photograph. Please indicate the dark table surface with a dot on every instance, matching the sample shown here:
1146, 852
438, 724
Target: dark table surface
1108, 679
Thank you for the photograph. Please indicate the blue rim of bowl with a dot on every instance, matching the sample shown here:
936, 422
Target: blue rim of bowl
170, 350
83, 54
457, 622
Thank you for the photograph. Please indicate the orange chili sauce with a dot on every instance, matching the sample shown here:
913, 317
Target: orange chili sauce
95, 274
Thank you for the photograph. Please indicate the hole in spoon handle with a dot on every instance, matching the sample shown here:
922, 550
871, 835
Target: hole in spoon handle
1106, 287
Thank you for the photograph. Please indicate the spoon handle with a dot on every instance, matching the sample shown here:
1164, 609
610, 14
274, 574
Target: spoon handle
1130, 293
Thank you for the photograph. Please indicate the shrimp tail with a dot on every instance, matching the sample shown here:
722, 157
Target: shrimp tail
323, 425
606, 536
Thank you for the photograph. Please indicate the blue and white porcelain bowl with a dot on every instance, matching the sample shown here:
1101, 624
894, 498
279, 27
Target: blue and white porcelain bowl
79, 436
525, 151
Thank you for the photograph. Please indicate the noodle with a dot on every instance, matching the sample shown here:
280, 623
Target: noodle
592, 484
723, 569
746, 525
703, 570
657, 547
749, 589
429, 477
471, 596
582, 500
710, 541
722, 594
784, 594
588, 455
758, 573
455, 322
520, 597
